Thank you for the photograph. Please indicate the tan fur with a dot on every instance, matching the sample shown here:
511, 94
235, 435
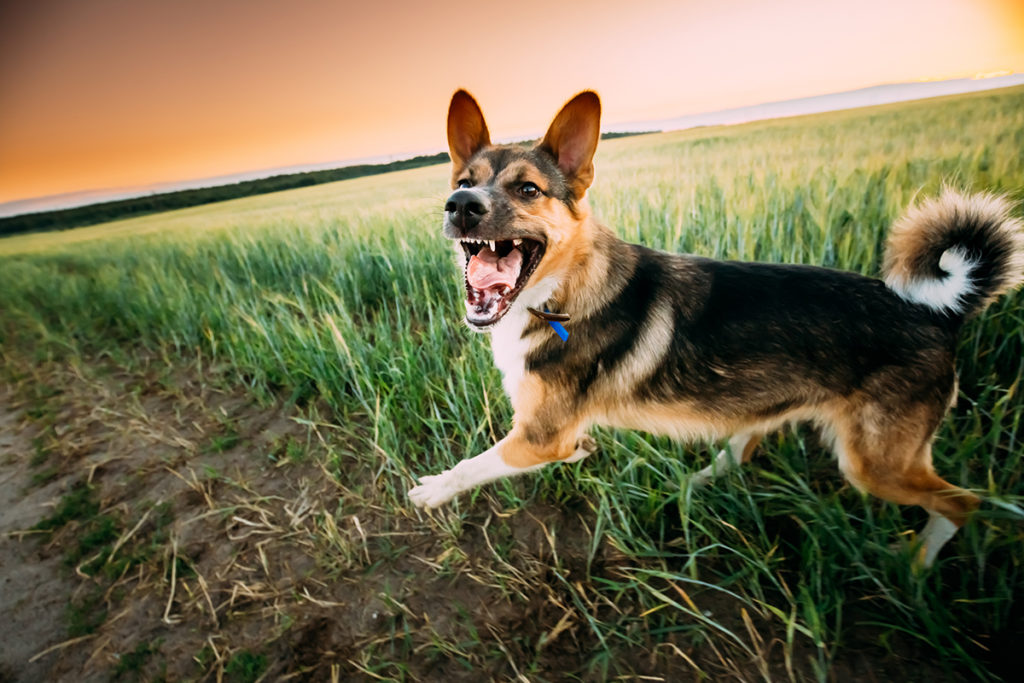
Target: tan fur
533, 393
566, 249
518, 451
654, 342
480, 170
545, 430
522, 171
748, 450
889, 454
582, 288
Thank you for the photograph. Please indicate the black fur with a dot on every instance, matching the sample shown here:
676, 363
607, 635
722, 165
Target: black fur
753, 338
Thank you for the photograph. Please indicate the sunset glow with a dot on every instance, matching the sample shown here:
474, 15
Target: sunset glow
121, 93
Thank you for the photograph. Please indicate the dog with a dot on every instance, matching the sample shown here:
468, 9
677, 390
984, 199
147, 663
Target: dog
696, 348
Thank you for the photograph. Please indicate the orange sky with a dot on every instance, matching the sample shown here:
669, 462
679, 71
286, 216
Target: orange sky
124, 93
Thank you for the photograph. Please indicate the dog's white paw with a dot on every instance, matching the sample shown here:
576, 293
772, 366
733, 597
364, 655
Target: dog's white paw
702, 478
434, 490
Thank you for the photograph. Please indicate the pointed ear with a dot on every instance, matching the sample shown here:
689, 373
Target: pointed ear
467, 131
572, 140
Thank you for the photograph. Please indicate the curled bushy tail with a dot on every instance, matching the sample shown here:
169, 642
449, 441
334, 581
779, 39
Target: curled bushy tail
955, 253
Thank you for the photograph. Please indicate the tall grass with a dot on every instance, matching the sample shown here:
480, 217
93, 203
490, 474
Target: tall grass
345, 293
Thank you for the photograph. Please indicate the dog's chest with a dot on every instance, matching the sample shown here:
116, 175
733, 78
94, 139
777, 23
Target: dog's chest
510, 351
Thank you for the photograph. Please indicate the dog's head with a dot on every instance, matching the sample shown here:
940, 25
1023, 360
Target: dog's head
516, 212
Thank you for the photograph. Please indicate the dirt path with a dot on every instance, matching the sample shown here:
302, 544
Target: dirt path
33, 594
148, 526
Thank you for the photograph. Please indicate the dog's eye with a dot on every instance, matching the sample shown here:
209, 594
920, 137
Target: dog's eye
529, 190
463, 184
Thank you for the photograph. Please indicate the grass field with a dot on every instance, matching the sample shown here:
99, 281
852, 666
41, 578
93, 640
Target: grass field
341, 302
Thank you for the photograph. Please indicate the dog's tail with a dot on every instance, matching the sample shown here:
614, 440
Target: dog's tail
955, 253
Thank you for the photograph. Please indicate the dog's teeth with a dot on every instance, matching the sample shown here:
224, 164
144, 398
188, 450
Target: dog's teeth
493, 247
517, 242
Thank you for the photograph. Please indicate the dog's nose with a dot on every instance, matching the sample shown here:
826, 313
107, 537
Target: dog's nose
466, 208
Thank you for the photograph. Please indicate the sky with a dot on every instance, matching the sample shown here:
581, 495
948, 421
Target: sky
105, 94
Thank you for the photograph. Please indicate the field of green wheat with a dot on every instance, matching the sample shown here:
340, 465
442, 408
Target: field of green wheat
345, 298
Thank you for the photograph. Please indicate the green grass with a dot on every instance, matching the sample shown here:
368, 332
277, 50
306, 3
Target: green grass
85, 614
129, 665
245, 667
78, 504
344, 295
227, 439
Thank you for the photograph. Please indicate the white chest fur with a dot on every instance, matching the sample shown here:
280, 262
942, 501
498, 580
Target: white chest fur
507, 341
510, 349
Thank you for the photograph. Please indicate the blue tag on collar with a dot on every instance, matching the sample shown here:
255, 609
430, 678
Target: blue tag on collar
558, 327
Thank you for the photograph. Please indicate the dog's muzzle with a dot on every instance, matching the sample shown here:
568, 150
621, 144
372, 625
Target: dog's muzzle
466, 208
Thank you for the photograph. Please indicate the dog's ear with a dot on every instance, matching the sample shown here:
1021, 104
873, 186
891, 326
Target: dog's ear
572, 140
467, 130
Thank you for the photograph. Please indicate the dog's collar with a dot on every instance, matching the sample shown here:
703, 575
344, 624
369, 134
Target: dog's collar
548, 316
553, 319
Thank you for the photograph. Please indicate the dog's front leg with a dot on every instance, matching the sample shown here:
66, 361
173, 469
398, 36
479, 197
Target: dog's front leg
517, 453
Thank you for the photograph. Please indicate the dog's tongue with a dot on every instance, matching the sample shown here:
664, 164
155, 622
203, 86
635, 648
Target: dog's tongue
486, 269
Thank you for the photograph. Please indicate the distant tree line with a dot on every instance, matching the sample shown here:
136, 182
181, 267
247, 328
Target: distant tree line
180, 199
626, 134
102, 212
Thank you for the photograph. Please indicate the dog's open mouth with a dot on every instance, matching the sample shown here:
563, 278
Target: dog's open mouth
496, 271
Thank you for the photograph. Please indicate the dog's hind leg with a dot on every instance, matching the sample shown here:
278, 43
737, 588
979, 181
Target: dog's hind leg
948, 506
737, 452
895, 464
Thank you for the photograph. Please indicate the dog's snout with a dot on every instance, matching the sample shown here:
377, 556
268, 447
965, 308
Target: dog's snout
466, 208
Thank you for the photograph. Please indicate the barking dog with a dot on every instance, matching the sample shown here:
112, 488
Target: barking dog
695, 348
